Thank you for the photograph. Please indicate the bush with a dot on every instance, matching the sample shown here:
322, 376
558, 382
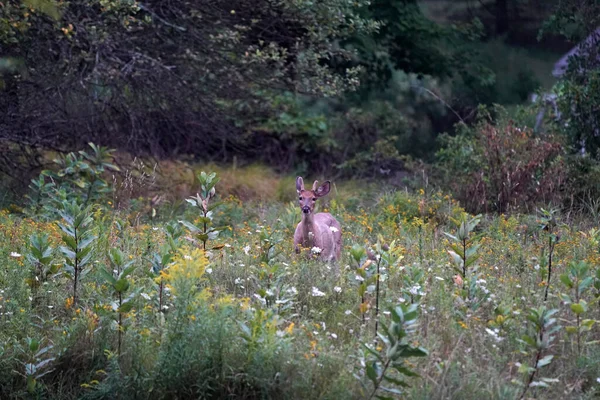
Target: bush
498, 166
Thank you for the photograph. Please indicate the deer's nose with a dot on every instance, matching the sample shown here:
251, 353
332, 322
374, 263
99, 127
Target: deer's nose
305, 209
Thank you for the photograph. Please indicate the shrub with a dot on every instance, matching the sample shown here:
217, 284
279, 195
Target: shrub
498, 166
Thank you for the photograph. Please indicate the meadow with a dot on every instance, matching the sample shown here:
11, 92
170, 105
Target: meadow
105, 294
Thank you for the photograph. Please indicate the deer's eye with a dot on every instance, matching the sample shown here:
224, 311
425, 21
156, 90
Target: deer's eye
314, 199
300, 198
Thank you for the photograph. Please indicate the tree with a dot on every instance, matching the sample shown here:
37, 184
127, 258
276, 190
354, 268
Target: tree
578, 91
162, 78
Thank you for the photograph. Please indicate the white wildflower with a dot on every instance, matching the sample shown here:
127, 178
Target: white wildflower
238, 281
359, 278
209, 270
145, 295
316, 250
15, 254
415, 290
494, 334
187, 257
337, 289
247, 249
348, 312
333, 335
439, 278
292, 290
316, 292
536, 267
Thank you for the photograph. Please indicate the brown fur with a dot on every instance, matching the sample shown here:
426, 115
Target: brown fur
315, 230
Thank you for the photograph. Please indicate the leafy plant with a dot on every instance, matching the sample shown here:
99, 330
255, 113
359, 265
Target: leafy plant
118, 280
538, 343
78, 239
205, 231
386, 366
548, 225
79, 178
464, 246
499, 164
577, 281
40, 257
37, 363
364, 275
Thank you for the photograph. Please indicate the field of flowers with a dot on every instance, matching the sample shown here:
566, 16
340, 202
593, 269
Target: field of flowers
209, 300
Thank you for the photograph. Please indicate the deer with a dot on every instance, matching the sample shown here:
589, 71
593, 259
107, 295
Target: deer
320, 232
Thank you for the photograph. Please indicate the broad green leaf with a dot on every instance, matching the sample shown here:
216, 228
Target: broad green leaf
121, 285
564, 278
107, 276
577, 308
125, 307
545, 361
571, 329
373, 352
372, 372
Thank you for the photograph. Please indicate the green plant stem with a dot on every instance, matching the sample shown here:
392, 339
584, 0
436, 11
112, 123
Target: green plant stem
535, 366
119, 336
76, 267
376, 386
551, 250
377, 298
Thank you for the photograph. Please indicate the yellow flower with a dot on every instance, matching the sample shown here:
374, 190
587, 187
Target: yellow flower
69, 303
290, 328
188, 267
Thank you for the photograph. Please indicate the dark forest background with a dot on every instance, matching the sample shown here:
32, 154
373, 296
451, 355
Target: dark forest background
398, 90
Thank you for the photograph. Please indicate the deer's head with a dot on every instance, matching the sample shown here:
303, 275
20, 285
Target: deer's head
308, 198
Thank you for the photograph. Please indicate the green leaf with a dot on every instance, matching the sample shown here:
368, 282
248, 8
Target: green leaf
373, 352
585, 284
395, 391
128, 270
405, 371
373, 371
107, 276
571, 329
528, 340
525, 369
125, 307
588, 323
414, 352
190, 226
121, 285
577, 308
545, 361
564, 278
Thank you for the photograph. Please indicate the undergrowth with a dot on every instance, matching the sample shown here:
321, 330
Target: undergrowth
208, 300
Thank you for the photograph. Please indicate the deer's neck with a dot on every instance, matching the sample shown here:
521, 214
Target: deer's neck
308, 230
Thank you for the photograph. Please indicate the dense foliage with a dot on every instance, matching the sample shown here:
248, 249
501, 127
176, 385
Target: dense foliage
158, 78
213, 303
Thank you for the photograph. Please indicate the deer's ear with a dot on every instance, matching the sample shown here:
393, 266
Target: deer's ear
299, 184
315, 186
323, 189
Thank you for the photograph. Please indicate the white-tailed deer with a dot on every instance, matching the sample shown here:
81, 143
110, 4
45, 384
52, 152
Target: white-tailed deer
321, 233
